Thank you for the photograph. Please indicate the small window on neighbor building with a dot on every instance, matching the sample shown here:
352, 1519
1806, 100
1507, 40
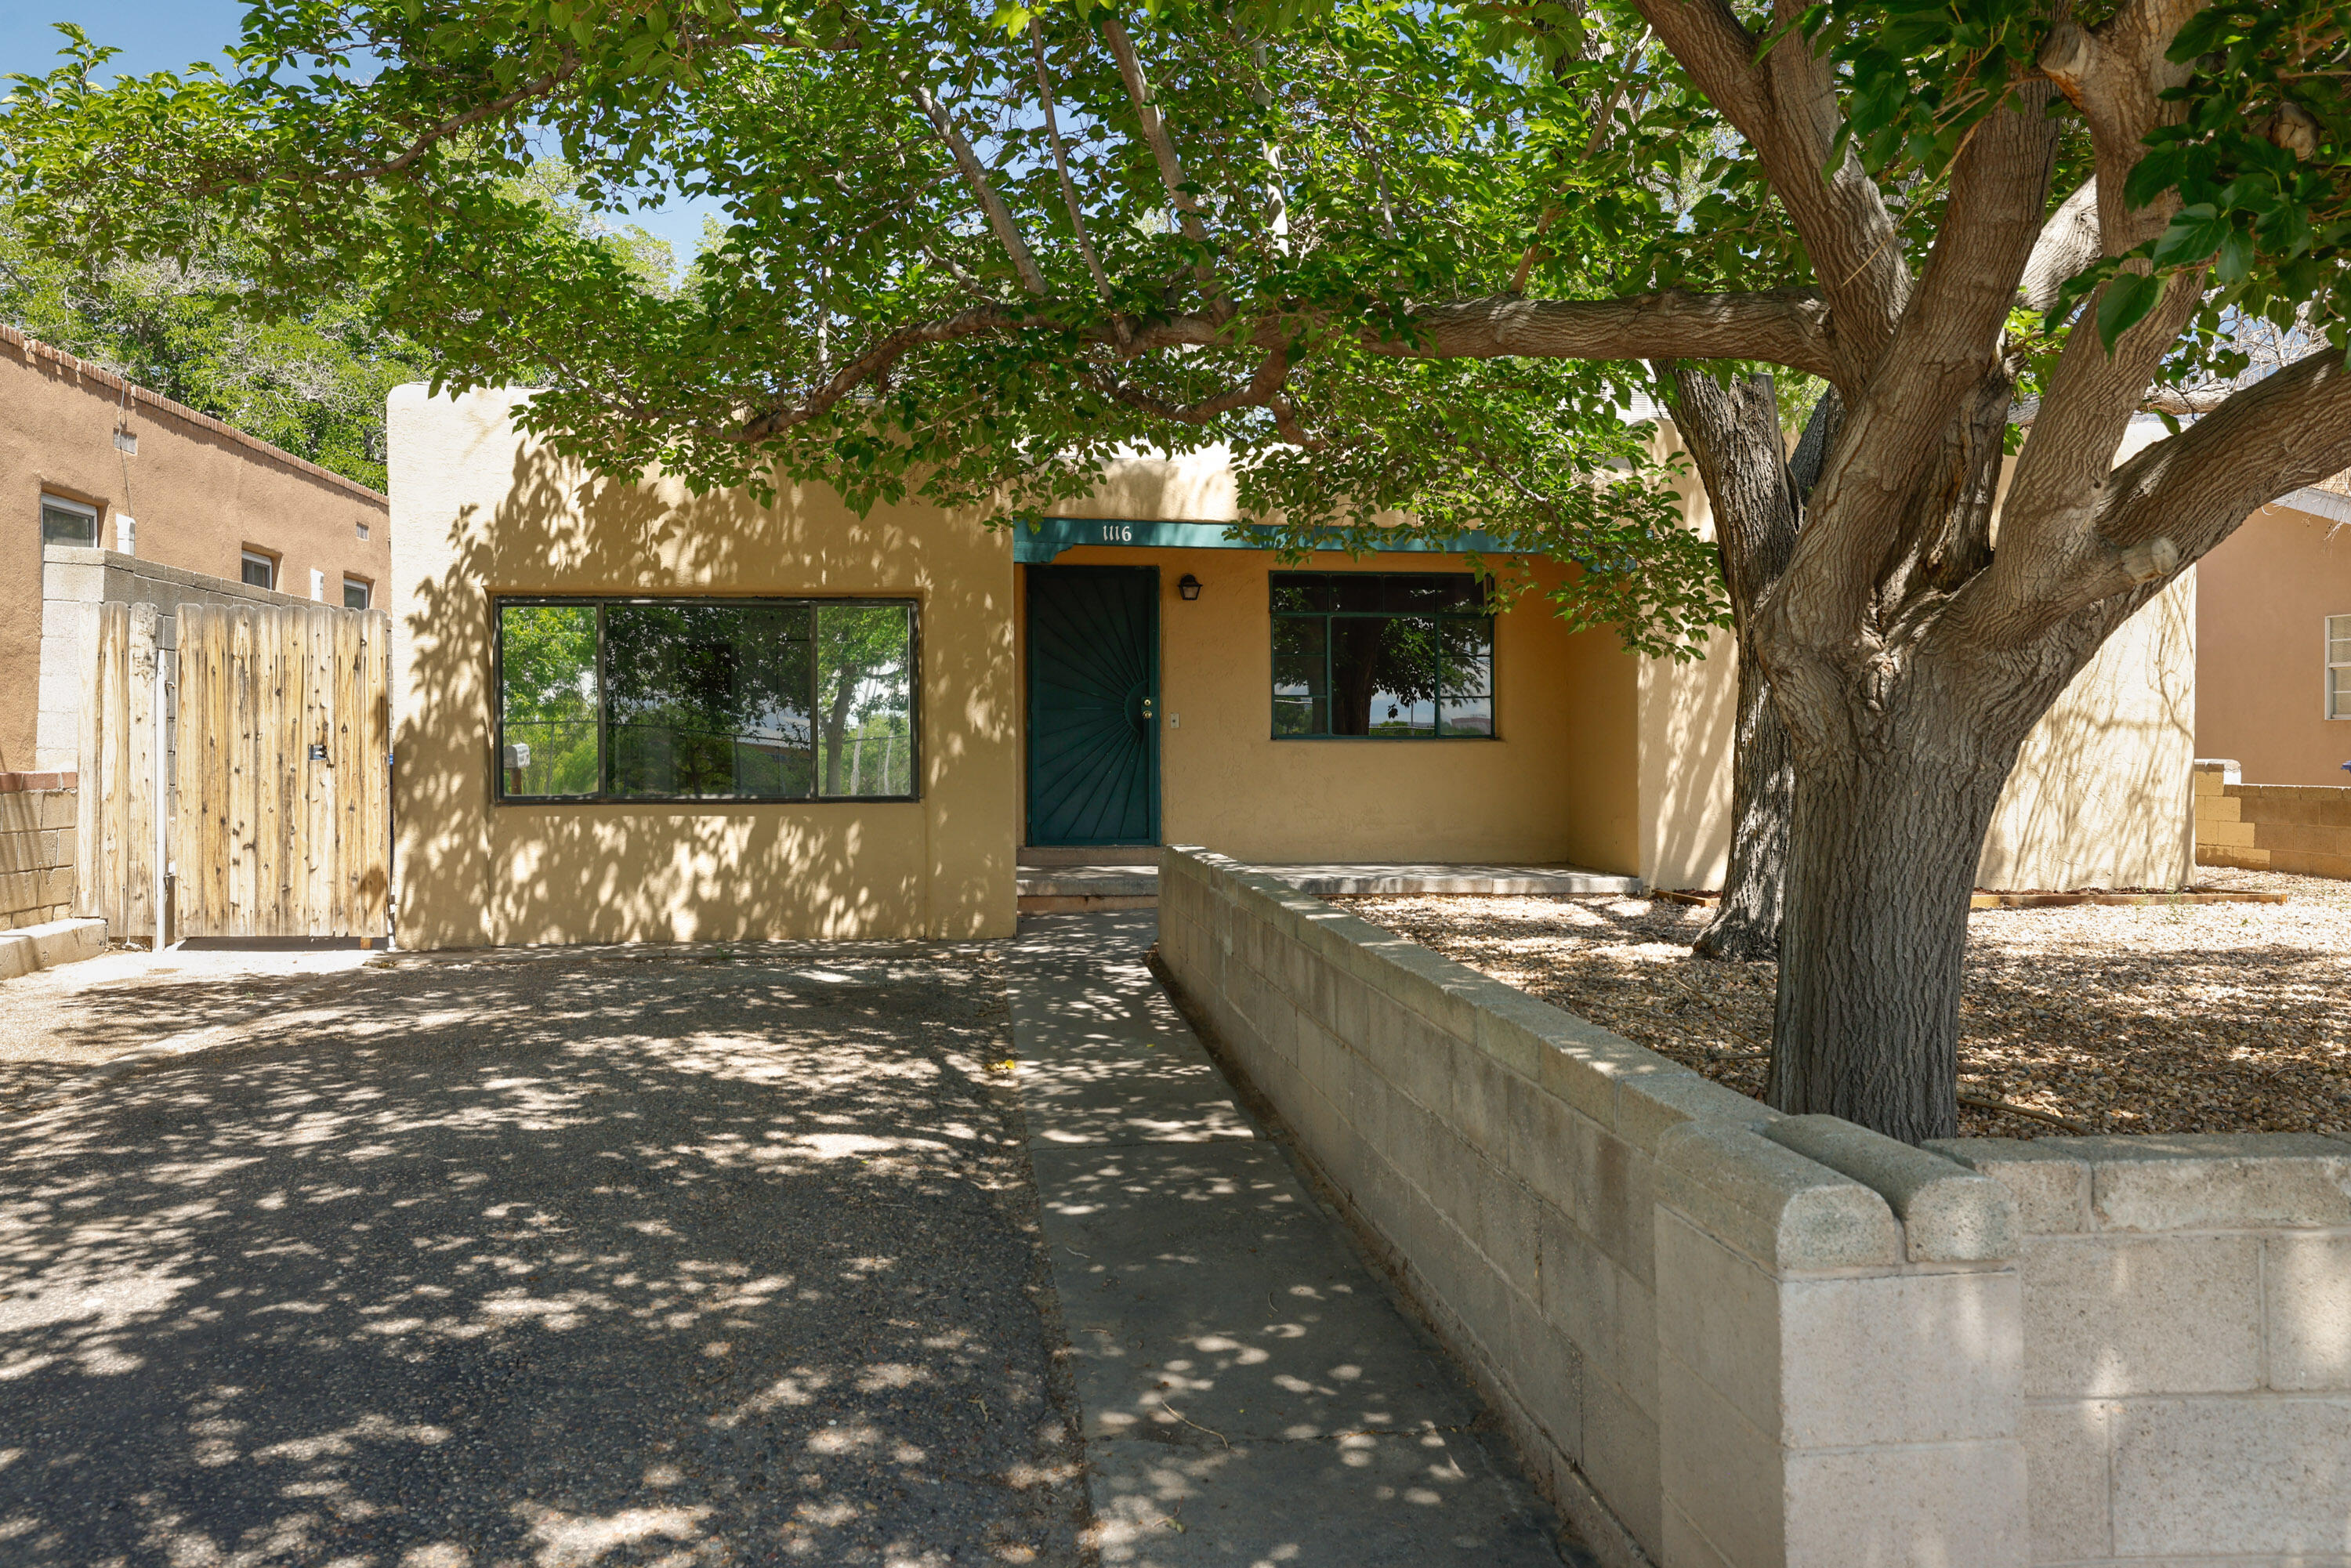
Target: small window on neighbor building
2338, 666
363, 530
355, 593
65, 522
260, 570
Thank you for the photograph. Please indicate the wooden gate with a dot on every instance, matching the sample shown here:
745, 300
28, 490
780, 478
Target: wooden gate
278, 819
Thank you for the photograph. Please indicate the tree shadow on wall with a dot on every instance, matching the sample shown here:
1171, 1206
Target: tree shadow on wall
473, 872
591, 1259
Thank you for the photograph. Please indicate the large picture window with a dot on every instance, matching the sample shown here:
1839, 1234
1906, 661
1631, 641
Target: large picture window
1382, 656
707, 699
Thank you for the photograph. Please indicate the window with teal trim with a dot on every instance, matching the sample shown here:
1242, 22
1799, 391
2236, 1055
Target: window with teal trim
1382, 656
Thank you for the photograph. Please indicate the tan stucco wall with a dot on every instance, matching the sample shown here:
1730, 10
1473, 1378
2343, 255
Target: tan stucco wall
480, 512
200, 492
2261, 664
1554, 786
2099, 796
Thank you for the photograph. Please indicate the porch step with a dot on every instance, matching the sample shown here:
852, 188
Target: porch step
1075, 889
1088, 856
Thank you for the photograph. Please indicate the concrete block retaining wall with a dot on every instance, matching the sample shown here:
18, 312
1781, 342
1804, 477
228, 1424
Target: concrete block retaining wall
1722, 1336
36, 848
2188, 1344
2304, 829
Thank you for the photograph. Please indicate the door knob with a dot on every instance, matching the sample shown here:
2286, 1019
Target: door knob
1148, 710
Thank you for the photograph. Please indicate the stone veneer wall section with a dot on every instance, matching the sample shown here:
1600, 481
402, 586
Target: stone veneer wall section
2187, 1345
2299, 828
36, 848
1717, 1335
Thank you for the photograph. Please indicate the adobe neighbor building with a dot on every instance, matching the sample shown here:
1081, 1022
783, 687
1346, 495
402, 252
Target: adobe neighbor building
623, 713
112, 494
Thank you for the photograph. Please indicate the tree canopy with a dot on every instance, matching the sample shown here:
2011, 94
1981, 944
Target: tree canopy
1390, 255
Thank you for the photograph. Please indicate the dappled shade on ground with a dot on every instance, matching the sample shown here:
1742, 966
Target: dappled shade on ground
591, 1259
2227, 1017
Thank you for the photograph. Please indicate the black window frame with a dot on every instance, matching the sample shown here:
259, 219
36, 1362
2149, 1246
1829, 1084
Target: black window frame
603, 794
1485, 613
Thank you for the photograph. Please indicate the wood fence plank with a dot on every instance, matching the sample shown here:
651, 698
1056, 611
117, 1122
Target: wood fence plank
243, 792
89, 897
187, 786
141, 804
292, 746
219, 918
269, 779
115, 781
318, 777
350, 777
375, 875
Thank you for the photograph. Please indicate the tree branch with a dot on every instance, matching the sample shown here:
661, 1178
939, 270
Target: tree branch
1786, 109
980, 321
1783, 327
2068, 243
2116, 74
1854, 567
999, 216
1778, 328
1155, 129
450, 127
1061, 166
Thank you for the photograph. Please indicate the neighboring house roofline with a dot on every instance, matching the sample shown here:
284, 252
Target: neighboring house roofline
33, 350
2318, 503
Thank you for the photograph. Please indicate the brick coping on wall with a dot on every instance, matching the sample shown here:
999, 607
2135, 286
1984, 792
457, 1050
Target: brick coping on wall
26, 783
35, 351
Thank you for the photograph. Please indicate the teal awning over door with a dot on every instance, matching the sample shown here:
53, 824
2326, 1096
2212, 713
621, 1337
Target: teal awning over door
1037, 540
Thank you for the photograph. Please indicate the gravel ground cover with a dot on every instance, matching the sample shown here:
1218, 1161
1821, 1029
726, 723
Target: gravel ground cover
600, 1257
2225, 1018
57, 1024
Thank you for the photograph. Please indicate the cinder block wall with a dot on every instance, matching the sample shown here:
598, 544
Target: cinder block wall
2186, 1344
1718, 1336
2305, 829
36, 848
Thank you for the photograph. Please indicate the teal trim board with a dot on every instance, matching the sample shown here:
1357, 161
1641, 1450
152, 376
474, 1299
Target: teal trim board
1036, 541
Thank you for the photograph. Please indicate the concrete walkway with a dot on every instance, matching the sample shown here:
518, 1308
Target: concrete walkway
1250, 1393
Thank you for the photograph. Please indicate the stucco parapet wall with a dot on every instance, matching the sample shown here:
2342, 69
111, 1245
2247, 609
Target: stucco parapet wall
1822, 1196
35, 353
2148, 1183
123, 571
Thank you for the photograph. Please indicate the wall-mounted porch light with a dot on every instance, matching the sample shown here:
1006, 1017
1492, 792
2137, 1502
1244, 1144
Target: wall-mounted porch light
1189, 585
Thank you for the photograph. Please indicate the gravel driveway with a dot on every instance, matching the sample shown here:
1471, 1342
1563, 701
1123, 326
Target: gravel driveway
574, 1260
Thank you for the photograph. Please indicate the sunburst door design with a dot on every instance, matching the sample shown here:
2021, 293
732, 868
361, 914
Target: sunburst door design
1093, 688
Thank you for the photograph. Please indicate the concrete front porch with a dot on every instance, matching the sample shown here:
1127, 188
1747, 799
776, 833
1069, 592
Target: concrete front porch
1080, 879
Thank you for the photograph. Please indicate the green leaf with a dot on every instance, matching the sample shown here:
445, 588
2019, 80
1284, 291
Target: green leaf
2124, 304
2195, 231
2236, 260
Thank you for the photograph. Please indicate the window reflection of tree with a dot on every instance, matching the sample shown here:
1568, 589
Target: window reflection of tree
862, 693
1408, 656
548, 684
709, 699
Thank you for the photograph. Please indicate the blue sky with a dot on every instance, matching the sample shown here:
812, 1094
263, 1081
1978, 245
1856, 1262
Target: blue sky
168, 35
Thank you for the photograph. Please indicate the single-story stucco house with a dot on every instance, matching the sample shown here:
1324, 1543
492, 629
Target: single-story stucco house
623, 713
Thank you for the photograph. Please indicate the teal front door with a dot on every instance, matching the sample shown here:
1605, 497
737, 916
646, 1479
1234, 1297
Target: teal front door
1094, 704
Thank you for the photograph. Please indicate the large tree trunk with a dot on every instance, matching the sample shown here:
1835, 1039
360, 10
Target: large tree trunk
1734, 435
1882, 854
